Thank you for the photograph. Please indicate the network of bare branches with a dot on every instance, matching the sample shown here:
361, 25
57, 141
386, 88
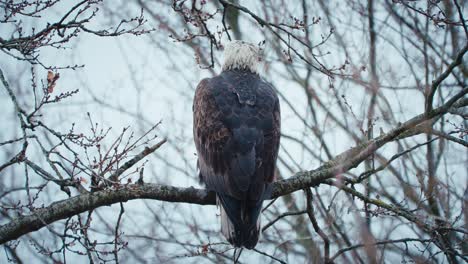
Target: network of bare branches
25, 43
372, 166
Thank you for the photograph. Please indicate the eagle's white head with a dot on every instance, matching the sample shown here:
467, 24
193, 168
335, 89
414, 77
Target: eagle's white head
241, 55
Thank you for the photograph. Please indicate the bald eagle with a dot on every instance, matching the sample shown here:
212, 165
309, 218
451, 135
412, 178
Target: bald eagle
236, 127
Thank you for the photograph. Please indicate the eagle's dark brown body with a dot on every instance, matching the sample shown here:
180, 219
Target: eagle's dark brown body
237, 132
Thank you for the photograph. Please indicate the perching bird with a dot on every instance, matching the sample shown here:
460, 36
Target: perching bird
236, 127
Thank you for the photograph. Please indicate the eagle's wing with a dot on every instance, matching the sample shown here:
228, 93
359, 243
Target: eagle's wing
271, 133
211, 136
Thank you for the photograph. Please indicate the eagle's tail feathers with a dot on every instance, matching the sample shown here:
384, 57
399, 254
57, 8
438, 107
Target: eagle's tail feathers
240, 225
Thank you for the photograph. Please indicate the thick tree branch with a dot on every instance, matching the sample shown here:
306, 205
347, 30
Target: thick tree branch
82, 203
